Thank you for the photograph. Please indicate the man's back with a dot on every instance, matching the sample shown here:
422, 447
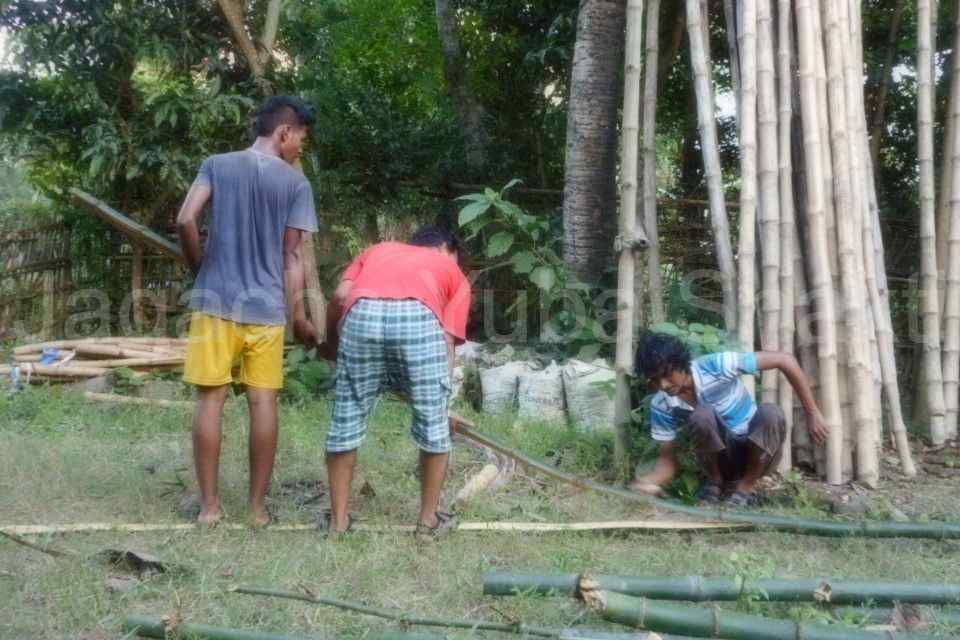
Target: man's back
255, 196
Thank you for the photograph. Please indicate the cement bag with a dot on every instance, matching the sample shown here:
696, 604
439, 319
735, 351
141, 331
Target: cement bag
588, 390
499, 387
540, 394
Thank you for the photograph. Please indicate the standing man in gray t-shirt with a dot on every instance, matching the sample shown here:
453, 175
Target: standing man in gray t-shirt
249, 275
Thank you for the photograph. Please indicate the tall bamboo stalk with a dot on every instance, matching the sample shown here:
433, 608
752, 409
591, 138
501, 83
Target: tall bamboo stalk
706, 123
628, 230
788, 225
951, 341
651, 68
746, 272
821, 285
944, 204
930, 305
769, 176
733, 28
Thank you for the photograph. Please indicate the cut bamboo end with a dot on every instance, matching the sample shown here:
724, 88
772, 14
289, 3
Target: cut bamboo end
592, 595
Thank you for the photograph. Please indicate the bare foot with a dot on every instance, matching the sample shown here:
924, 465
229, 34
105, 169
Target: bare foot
209, 518
259, 518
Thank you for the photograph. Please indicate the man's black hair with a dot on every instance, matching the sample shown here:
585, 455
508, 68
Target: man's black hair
659, 353
431, 236
278, 110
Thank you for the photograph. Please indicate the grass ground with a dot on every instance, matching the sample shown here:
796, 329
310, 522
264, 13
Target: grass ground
64, 460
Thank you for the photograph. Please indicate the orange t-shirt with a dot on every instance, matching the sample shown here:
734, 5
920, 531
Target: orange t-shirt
397, 271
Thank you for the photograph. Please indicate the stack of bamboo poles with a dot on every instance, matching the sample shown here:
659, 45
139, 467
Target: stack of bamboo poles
821, 291
75, 360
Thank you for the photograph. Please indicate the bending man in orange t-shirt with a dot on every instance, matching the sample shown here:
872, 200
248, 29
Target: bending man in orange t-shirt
398, 313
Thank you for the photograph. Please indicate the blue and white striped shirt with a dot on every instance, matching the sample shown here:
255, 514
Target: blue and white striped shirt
716, 380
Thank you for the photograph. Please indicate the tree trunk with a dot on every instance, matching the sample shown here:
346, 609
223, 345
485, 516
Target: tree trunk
628, 224
819, 263
233, 12
930, 305
883, 86
651, 67
470, 113
589, 194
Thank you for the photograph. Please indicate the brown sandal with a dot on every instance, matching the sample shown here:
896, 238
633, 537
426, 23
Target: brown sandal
446, 522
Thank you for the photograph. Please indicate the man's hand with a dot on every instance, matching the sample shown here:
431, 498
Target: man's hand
817, 427
305, 333
327, 350
646, 486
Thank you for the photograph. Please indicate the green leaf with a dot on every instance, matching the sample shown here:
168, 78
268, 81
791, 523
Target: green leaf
508, 208
589, 352
491, 194
523, 262
696, 326
668, 328
499, 244
474, 197
510, 184
472, 211
543, 277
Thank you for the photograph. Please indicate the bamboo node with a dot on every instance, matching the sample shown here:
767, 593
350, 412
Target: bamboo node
823, 592
637, 243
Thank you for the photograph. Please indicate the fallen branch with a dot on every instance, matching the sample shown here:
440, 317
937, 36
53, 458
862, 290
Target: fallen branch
700, 589
26, 543
805, 526
118, 399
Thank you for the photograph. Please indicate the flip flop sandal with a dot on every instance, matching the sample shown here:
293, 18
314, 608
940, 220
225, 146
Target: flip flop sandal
709, 492
446, 522
325, 522
740, 500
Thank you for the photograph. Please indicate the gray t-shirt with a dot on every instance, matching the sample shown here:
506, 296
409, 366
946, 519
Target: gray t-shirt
255, 197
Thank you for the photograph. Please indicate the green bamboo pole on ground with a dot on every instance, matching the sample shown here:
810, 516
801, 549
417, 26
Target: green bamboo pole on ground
712, 622
883, 616
805, 526
701, 589
155, 628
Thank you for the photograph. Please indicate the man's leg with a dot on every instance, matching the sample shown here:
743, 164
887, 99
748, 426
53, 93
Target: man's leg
262, 404
206, 449
764, 445
340, 476
433, 470
708, 443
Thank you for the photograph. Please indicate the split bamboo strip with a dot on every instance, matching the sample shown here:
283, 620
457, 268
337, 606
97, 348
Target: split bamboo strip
769, 187
628, 238
157, 628
788, 225
821, 286
706, 123
725, 589
516, 527
847, 203
712, 623
779, 523
154, 402
930, 305
649, 150
951, 331
746, 254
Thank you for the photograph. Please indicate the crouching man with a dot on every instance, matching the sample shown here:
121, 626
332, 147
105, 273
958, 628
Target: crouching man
398, 313
736, 441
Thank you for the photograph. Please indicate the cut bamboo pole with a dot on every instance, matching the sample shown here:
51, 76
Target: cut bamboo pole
713, 623
951, 333
746, 254
706, 123
112, 351
153, 402
769, 186
821, 285
651, 69
159, 628
138, 363
930, 305
53, 371
725, 589
788, 225
630, 240
132, 343
847, 203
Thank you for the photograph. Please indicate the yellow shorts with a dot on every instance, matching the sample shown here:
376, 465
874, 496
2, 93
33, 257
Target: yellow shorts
216, 345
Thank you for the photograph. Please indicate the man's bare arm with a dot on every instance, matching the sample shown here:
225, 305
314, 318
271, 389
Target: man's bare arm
790, 368
293, 286
188, 225
664, 470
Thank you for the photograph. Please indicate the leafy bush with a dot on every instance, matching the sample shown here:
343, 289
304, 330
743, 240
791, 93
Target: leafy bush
304, 378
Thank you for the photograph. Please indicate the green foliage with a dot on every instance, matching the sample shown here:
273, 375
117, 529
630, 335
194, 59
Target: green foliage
305, 378
701, 339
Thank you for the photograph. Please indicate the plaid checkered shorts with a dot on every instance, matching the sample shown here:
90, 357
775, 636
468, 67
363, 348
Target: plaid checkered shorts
386, 345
